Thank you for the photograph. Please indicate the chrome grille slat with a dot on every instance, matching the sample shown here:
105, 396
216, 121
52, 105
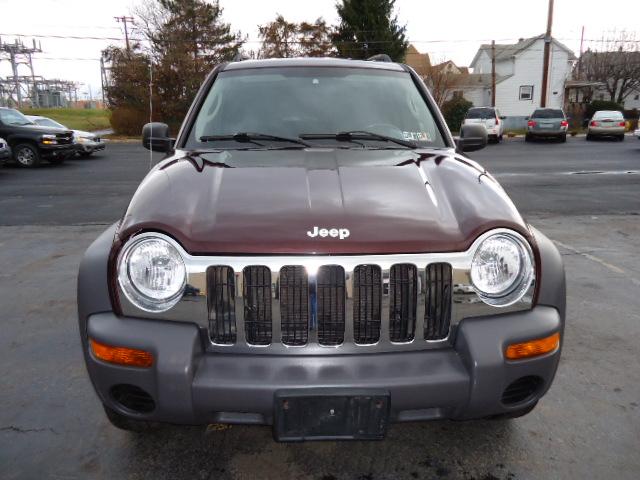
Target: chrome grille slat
437, 317
403, 296
367, 304
221, 302
330, 291
257, 304
294, 305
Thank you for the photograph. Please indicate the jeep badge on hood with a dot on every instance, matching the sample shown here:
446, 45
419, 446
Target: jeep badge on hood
341, 233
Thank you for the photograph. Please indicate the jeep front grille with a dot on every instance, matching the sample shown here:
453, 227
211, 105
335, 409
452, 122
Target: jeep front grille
329, 306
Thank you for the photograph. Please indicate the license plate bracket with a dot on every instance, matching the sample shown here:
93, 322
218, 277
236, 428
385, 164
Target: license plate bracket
331, 414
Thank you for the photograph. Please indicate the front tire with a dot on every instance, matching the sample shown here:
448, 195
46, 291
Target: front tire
125, 423
26, 155
85, 154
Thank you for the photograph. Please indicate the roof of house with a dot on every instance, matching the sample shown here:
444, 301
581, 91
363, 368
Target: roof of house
420, 62
440, 66
506, 51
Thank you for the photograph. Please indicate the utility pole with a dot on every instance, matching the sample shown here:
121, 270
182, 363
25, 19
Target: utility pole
547, 54
580, 59
124, 19
493, 73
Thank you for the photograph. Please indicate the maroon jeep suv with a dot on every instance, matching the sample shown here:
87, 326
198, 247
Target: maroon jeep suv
316, 253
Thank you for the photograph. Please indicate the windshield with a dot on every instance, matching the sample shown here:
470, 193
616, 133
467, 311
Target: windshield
47, 122
608, 114
290, 102
483, 113
548, 114
13, 117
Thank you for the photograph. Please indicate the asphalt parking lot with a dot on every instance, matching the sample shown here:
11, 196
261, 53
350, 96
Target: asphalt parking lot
584, 195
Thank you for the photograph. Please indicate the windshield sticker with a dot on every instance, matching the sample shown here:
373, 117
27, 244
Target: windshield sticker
420, 136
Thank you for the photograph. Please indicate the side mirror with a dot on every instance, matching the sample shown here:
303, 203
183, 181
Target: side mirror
472, 137
155, 136
503, 117
527, 118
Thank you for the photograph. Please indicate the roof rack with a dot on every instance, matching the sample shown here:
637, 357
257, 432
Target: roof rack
381, 57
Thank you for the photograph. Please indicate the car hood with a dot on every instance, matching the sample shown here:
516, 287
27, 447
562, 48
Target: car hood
266, 202
42, 129
83, 134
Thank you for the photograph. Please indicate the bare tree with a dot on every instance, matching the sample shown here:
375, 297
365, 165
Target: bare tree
283, 39
614, 62
442, 81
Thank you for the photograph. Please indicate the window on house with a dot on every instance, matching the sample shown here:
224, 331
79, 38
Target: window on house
526, 92
636, 97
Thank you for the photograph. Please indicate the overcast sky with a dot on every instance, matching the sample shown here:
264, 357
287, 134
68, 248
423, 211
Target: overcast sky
444, 29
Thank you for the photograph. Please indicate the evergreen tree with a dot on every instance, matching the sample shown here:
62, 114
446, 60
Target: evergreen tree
369, 27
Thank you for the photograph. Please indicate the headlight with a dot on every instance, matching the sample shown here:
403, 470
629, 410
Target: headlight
502, 269
152, 273
81, 139
48, 139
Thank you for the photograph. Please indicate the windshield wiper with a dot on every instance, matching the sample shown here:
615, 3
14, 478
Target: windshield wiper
358, 135
249, 137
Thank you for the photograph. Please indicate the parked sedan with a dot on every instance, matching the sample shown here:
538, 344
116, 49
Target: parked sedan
547, 123
86, 142
606, 123
5, 151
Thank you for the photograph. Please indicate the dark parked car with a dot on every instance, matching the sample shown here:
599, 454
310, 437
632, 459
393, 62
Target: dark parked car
31, 143
547, 123
315, 253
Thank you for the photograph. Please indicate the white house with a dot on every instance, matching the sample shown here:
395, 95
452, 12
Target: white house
519, 76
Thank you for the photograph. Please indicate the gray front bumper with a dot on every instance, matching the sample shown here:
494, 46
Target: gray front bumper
191, 386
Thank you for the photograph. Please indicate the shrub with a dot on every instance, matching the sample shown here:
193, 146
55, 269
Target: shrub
128, 121
597, 105
454, 111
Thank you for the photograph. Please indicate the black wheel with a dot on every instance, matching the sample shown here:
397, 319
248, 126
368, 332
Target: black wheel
500, 138
85, 154
26, 155
515, 413
589, 137
527, 138
563, 138
125, 423
621, 138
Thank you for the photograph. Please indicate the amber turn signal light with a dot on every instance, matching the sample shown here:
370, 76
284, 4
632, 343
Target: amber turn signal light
533, 348
121, 355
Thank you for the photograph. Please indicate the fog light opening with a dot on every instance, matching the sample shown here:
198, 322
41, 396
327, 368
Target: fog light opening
521, 390
130, 397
